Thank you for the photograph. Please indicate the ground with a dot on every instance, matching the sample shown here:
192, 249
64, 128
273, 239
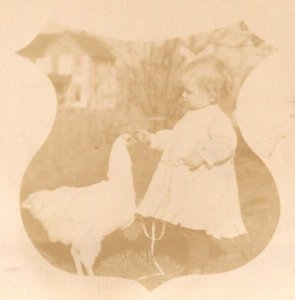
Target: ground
76, 154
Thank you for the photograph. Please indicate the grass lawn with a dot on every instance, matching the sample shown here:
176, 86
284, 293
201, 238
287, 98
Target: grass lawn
76, 154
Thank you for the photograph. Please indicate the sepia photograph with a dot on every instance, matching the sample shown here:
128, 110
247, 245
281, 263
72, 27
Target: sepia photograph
145, 174
147, 150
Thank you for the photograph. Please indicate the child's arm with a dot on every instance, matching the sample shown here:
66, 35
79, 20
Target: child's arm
221, 144
161, 139
158, 141
193, 161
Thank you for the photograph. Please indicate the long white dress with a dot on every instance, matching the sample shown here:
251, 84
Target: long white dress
206, 198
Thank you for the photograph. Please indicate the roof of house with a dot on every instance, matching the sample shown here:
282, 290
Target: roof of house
90, 44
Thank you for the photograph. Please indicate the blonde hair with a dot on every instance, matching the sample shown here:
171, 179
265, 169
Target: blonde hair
209, 74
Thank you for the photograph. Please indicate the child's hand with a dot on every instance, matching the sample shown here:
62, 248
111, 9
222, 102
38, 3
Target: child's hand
192, 161
143, 136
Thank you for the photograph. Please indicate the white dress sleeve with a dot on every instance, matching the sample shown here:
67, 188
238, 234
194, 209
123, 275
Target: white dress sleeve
161, 139
221, 144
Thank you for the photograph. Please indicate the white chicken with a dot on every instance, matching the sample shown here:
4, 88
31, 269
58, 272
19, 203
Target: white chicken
82, 217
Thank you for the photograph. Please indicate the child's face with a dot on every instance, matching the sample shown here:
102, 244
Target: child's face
195, 98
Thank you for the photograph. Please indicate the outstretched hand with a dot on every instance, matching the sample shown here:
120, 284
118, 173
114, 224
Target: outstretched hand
143, 136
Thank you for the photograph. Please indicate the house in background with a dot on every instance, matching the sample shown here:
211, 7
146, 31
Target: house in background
80, 67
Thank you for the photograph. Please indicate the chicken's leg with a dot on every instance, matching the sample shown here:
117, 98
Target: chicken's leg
89, 270
77, 261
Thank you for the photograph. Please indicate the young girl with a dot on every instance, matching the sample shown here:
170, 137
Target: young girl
195, 185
